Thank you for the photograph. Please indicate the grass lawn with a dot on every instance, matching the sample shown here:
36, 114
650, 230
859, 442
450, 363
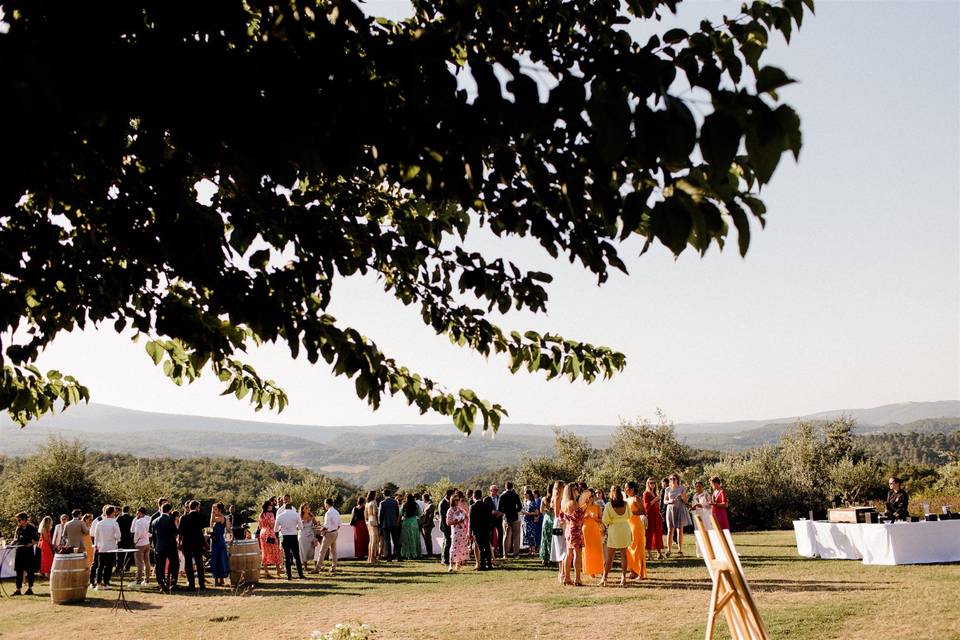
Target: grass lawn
798, 598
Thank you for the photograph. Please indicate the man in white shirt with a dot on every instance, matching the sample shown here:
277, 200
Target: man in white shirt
288, 524
331, 526
107, 540
140, 528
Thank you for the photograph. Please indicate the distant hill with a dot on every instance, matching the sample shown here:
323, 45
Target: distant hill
371, 455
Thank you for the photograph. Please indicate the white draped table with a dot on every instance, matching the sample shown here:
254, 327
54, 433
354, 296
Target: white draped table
345, 541
885, 544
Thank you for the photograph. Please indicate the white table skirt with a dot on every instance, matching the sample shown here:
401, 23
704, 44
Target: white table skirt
6, 562
345, 548
882, 544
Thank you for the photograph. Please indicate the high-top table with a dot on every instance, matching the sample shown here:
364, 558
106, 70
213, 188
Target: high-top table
881, 544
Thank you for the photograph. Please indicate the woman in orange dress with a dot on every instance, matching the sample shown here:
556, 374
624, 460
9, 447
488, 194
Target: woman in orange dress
636, 552
592, 535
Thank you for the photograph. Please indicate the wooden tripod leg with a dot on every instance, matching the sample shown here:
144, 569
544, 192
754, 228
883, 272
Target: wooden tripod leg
712, 610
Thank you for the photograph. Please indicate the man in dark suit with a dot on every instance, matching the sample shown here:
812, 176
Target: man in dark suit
510, 506
191, 542
389, 518
124, 520
444, 527
165, 540
481, 526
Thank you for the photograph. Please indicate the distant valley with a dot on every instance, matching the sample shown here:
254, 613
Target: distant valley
405, 454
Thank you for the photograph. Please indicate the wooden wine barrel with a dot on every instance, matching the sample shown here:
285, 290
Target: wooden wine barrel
68, 578
244, 562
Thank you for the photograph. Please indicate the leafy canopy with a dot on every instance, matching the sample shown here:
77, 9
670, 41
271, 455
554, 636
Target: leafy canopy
339, 144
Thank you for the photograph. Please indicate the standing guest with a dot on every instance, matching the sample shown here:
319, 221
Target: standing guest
427, 514
192, 543
106, 540
88, 539
25, 537
361, 537
593, 554
165, 545
58, 533
219, 559
510, 506
373, 527
420, 503
388, 516
546, 529
482, 515
531, 518
124, 520
702, 499
571, 515
636, 552
558, 545
269, 547
410, 534
308, 537
331, 527
616, 518
73, 532
898, 503
156, 515
664, 485
496, 527
677, 515
651, 506
444, 527
288, 525
140, 532
46, 546
456, 518
720, 503
95, 566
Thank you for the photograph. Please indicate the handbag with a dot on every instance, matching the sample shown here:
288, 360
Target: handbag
271, 540
645, 521
557, 531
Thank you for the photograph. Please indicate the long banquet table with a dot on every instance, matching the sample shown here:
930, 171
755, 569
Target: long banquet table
882, 544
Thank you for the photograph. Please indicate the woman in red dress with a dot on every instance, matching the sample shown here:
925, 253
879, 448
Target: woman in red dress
651, 506
269, 541
361, 536
719, 508
46, 546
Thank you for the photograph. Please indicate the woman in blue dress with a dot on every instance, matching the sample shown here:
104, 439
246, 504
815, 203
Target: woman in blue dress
531, 517
219, 561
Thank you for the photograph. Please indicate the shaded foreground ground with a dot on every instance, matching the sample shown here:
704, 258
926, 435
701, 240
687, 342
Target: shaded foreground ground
798, 598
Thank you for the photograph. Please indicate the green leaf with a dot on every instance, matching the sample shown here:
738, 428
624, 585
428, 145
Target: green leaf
769, 79
720, 139
673, 36
742, 223
156, 351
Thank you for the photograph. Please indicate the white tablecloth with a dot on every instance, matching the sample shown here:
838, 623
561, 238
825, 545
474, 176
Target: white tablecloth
886, 544
345, 547
6, 562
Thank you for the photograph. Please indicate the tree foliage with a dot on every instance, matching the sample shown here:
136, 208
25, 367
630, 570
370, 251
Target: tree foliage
336, 144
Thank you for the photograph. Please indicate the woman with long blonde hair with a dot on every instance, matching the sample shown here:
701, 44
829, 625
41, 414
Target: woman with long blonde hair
571, 514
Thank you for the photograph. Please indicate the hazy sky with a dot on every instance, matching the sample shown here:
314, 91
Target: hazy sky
849, 298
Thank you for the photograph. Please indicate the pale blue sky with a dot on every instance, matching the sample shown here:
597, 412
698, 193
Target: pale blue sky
849, 298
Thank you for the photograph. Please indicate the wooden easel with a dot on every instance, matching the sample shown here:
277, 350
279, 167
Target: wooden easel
730, 593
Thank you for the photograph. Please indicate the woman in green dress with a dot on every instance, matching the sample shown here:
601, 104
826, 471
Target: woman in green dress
546, 534
410, 529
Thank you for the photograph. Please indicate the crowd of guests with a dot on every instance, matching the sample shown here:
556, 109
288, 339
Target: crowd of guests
581, 529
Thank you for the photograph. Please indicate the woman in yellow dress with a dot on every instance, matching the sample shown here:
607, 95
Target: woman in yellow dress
636, 552
616, 518
87, 540
592, 535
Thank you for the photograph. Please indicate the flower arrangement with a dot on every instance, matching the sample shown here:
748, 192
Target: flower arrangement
345, 631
